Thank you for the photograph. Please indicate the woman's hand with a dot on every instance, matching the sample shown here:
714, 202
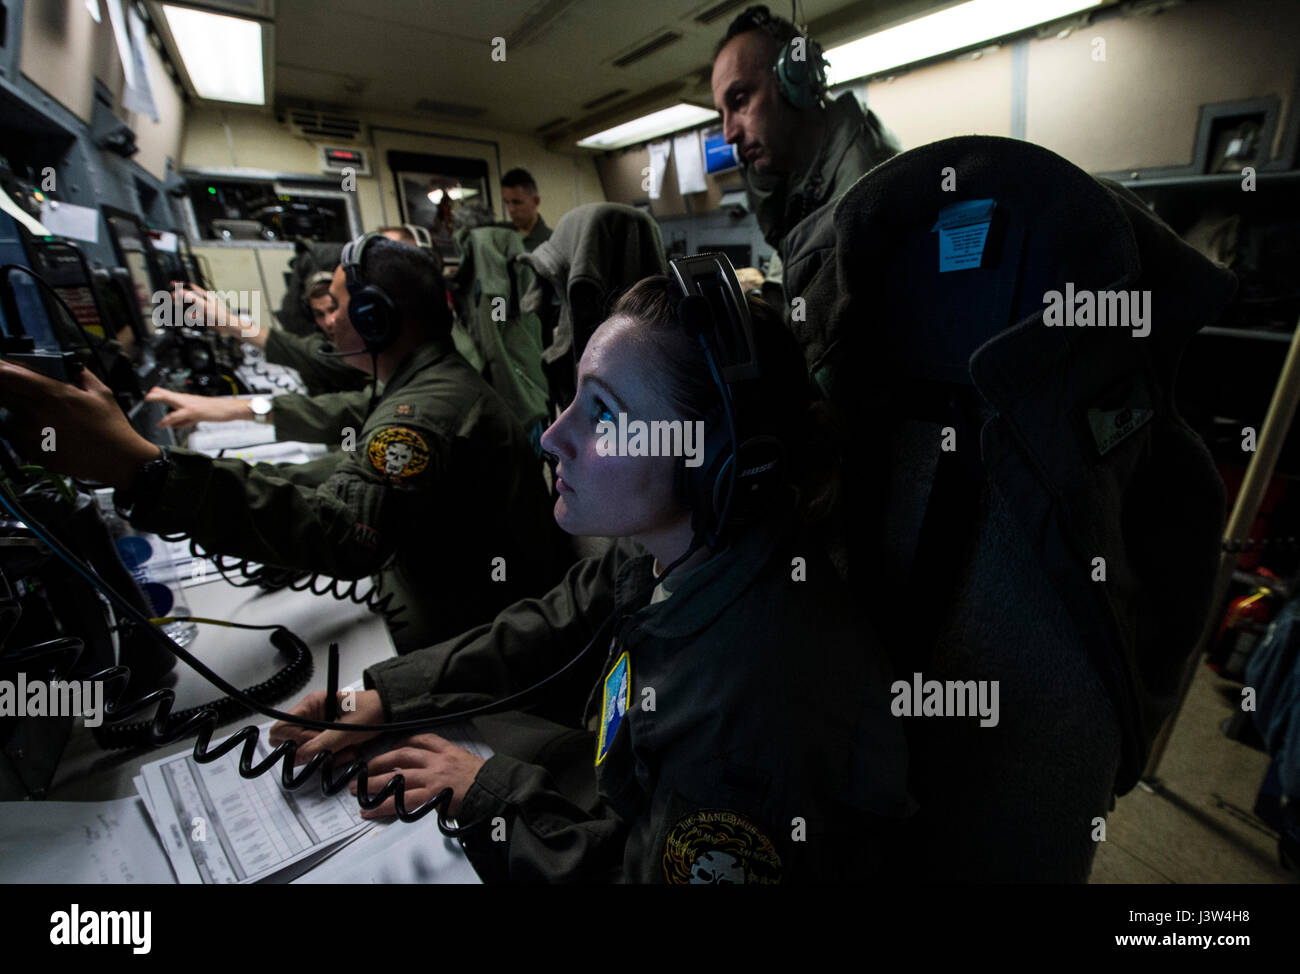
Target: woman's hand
77, 430
428, 763
369, 709
186, 409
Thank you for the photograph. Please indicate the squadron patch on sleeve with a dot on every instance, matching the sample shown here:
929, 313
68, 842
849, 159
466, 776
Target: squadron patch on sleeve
715, 846
398, 452
614, 702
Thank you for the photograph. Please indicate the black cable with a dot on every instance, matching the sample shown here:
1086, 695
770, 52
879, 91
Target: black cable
725, 389
374, 381
205, 720
90, 575
374, 599
293, 677
97, 353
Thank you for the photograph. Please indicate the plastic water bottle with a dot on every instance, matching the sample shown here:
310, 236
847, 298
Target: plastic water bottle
146, 557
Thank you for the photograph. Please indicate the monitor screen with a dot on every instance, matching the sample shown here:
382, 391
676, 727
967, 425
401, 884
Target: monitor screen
134, 251
719, 156
139, 268
30, 309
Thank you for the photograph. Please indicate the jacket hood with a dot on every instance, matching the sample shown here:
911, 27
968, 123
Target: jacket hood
606, 246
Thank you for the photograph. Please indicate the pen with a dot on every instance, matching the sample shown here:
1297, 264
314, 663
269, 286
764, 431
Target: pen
332, 684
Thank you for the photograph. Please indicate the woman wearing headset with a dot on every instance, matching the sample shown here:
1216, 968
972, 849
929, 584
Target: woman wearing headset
737, 729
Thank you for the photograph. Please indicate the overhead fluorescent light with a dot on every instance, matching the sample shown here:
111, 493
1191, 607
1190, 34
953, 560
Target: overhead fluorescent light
965, 25
643, 129
222, 55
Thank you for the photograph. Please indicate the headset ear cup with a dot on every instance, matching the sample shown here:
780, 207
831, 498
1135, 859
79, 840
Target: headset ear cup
373, 317
370, 310
697, 486
801, 80
761, 472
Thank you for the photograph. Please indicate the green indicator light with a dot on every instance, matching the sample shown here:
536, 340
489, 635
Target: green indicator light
212, 190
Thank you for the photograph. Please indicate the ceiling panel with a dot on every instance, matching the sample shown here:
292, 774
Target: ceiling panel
394, 54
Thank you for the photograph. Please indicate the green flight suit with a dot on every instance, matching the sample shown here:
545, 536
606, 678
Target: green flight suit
754, 740
320, 419
852, 142
441, 496
319, 373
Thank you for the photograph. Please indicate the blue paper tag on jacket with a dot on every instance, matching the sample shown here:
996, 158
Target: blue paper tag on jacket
963, 229
614, 701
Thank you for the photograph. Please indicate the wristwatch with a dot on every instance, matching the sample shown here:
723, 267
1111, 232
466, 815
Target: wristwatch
261, 407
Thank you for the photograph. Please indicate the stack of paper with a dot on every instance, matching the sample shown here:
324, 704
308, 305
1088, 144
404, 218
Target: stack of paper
211, 438
205, 823
219, 827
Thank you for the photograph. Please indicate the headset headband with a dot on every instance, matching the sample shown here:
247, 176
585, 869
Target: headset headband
739, 469
712, 278
801, 81
371, 310
353, 253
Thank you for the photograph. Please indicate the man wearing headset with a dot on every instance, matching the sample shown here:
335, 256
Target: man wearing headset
798, 151
440, 493
337, 396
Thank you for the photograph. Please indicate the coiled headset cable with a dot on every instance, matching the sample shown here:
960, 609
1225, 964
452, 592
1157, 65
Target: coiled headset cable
164, 727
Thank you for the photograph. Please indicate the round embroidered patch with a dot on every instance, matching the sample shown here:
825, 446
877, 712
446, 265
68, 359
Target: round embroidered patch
398, 452
715, 846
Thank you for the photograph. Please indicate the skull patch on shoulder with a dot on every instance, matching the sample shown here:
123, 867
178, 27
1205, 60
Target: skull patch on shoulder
715, 846
398, 452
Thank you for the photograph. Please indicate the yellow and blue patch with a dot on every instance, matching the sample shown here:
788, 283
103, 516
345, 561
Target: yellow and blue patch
614, 702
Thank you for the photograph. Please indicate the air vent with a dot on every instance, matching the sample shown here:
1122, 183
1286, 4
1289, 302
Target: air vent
645, 50
547, 126
537, 23
607, 96
718, 10
325, 126
452, 108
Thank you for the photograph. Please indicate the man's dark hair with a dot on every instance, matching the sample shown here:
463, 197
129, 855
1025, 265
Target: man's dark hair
758, 18
409, 275
520, 178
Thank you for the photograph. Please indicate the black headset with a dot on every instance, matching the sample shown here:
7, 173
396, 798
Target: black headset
801, 80
373, 315
733, 483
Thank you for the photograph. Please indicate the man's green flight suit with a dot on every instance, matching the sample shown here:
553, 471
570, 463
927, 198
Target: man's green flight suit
440, 495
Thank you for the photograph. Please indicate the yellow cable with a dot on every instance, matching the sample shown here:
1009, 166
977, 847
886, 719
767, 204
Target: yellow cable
164, 620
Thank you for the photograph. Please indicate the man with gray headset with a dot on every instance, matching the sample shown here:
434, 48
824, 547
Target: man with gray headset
799, 152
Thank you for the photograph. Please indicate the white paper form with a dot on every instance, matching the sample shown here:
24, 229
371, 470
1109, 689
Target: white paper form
690, 163
219, 827
211, 438
70, 220
80, 842
397, 852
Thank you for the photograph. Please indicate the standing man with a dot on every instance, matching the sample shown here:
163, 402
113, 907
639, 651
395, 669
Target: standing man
519, 192
799, 152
